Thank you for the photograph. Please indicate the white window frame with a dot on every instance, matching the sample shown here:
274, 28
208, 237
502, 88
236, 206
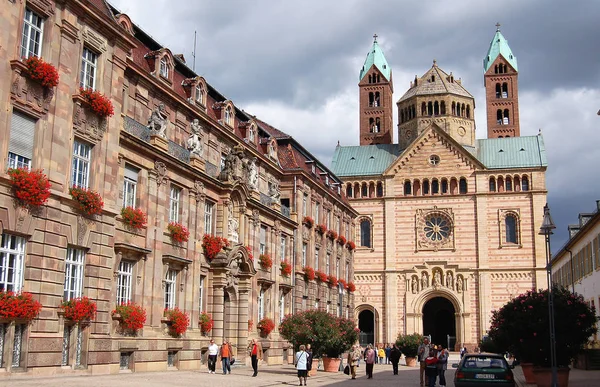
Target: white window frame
33, 24
283, 247
317, 212
174, 203
251, 133
261, 304
170, 289
281, 307
201, 295
337, 268
17, 161
163, 69
74, 272
12, 256
124, 282
262, 247
328, 219
89, 69
130, 187
228, 115
223, 157
304, 247
327, 264
209, 209
316, 259
200, 94
80, 169
305, 205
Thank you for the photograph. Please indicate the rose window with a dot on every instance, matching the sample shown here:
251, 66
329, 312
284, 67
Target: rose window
436, 228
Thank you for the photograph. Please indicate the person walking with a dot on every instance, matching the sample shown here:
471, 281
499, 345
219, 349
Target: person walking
423, 353
213, 352
353, 358
395, 358
309, 360
370, 357
226, 353
388, 350
381, 354
442, 364
255, 355
302, 363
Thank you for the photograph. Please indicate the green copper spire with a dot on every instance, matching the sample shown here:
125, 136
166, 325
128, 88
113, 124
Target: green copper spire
499, 46
376, 57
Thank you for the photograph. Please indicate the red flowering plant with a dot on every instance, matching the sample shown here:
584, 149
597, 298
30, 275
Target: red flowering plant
341, 240
212, 245
343, 283
18, 306
351, 287
321, 276
249, 250
206, 322
308, 221
90, 202
331, 234
99, 103
265, 261
42, 72
131, 315
350, 245
178, 232
333, 282
79, 309
309, 273
178, 321
321, 229
286, 268
133, 217
30, 187
265, 326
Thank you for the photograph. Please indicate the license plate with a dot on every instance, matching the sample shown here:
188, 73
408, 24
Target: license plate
485, 376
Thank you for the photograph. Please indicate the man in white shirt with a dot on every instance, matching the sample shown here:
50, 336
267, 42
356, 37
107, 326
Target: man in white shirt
213, 351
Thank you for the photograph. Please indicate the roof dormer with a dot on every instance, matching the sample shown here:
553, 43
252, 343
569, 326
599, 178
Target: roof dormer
125, 22
161, 64
225, 111
195, 89
249, 130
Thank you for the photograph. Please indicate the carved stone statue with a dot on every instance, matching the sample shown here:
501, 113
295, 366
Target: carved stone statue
449, 280
459, 284
437, 279
252, 174
194, 143
424, 281
274, 191
158, 121
234, 166
414, 285
233, 224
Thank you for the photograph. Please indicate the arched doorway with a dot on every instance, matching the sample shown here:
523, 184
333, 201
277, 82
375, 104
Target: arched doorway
366, 325
439, 321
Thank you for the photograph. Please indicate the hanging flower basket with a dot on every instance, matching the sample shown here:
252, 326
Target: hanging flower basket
351, 245
309, 273
212, 245
286, 268
332, 281
321, 229
265, 326
133, 217
341, 240
90, 202
178, 232
18, 306
79, 309
265, 261
42, 72
332, 235
249, 250
308, 221
206, 322
351, 287
322, 277
30, 187
177, 320
132, 316
99, 104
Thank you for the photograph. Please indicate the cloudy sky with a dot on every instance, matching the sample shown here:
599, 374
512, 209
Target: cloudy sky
295, 64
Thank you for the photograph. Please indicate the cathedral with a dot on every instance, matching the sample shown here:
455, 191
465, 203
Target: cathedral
448, 224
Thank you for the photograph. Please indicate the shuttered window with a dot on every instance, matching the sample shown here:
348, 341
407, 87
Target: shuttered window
20, 146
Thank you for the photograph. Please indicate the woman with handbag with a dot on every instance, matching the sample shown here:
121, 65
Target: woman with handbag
301, 363
353, 357
370, 356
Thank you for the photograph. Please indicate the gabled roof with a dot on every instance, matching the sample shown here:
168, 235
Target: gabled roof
512, 152
376, 57
436, 81
363, 160
499, 46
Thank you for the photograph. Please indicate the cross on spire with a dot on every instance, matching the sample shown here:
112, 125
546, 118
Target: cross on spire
375, 38
497, 26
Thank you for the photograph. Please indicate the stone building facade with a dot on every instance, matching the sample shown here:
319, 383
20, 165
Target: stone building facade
182, 153
448, 224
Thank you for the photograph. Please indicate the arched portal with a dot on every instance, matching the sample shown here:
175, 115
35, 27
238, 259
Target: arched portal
366, 325
439, 321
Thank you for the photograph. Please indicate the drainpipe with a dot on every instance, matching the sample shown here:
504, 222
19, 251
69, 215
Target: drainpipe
572, 272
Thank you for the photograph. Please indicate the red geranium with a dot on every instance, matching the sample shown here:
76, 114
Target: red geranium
133, 217
18, 306
321, 276
90, 202
331, 234
341, 240
286, 268
97, 102
133, 317
41, 71
206, 322
178, 232
309, 273
350, 245
351, 287
320, 228
265, 326
332, 281
212, 245
79, 309
265, 261
31, 187
308, 221
178, 321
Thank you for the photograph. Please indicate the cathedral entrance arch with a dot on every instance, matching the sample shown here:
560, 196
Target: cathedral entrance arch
366, 325
439, 321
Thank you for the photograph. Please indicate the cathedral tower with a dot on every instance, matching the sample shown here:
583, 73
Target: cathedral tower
375, 98
501, 89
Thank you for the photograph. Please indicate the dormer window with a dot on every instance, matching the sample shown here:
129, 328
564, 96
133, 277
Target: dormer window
229, 116
251, 133
164, 68
312, 168
200, 94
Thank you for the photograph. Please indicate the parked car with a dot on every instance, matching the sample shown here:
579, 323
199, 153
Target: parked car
483, 369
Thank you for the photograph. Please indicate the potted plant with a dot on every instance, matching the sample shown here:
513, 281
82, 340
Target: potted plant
89, 202
309, 273
212, 245
351, 287
18, 306
178, 232
79, 310
131, 317
333, 282
206, 322
30, 187
332, 235
97, 102
351, 245
42, 72
265, 326
265, 261
308, 221
320, 228
409, 346
177, 321
134, 218
286, 268
341, 240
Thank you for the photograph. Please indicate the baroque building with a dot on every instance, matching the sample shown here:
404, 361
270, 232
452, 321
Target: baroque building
183, 154
448, 224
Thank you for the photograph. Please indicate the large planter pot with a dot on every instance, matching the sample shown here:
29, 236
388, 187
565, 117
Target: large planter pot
411, 361
543, 376
528, 372
313, 370
331, 364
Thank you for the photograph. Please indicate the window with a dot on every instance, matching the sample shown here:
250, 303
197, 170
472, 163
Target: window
130, 186
281, 307
347, 272
337, 268
174, 206
164, 68
379, 190
12, 255
304, 254
407, 188
444, 186
365, 233
20, 146
200, 94
201, 296
434, 160
305, 205
73, 273
229, 116
492, 184
509, 184
525, 183
261, 304
89, 64
283, 245
208, 217
80, 172
31, 41
316, 259
328, 219
262, 247
511, 229
462, 186
327, 264
435, 186
317, 212
223, 157
124, 275
170, 291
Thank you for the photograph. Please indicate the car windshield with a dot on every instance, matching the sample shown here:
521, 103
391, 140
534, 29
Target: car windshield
484, 362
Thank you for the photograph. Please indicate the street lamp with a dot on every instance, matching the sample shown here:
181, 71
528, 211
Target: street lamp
546, 231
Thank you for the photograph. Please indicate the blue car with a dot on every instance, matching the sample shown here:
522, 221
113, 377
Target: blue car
483, 369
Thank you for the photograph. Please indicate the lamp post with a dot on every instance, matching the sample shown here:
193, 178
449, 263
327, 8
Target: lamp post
546, 231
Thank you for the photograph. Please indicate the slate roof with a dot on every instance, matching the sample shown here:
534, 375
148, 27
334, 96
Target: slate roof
436, 81
363, 160
499, 46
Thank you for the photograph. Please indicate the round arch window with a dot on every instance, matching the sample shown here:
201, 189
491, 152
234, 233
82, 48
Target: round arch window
437, 227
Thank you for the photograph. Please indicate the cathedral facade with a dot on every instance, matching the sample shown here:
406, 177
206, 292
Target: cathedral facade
447, 225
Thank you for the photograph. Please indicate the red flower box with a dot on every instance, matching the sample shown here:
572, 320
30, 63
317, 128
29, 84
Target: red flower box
321, 276
206, 322
133, 316
333, 282
341, 240
42, 72
212, 245
350, 245
134, 217
178, 321
332, 235
320, 228
90, 202
18, 306
265, 261
309, 273
79, 309
343, 283
265, 326
308, 221
30, 187
178, 232
286, 268
99, 104
351, 287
